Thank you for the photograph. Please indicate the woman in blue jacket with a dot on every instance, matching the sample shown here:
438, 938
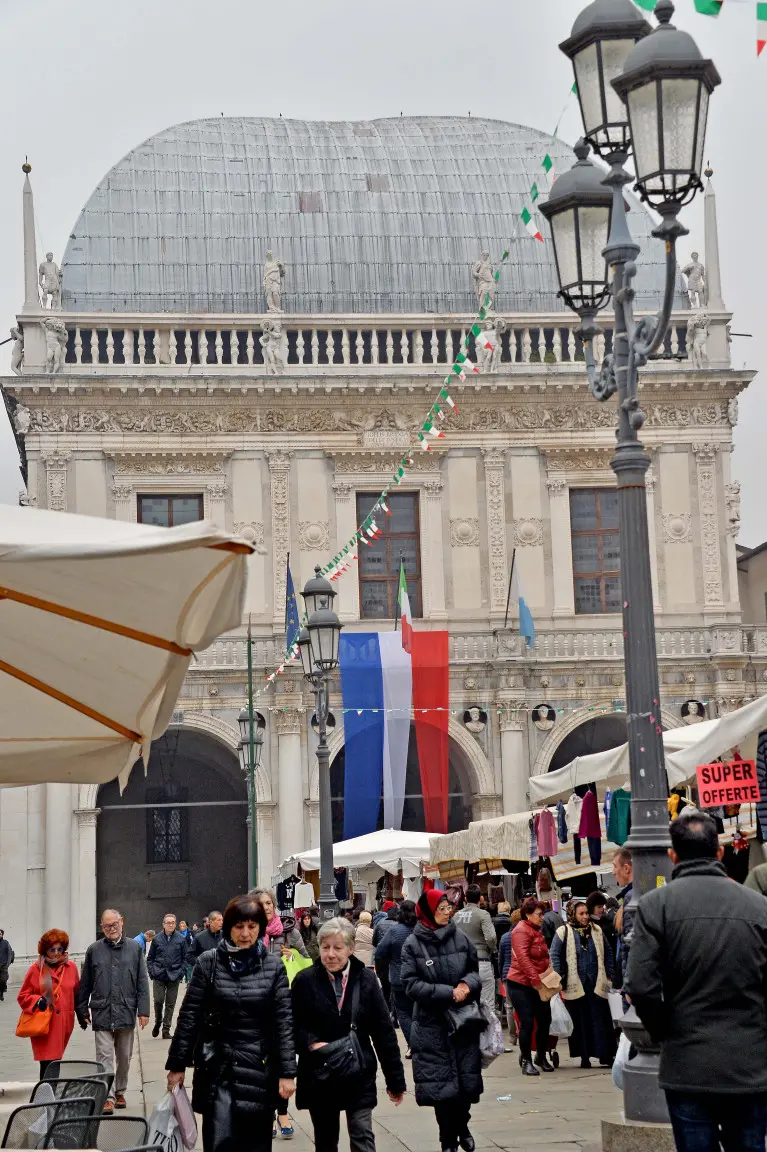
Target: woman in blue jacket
389, 951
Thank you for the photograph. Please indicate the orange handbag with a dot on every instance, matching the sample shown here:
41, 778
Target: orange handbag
37, 1023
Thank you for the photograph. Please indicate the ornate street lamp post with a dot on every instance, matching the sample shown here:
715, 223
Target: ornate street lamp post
249, 750
318, 645
647, 91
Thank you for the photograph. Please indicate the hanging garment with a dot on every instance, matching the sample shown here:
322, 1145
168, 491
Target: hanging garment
619, 824
546, 833
589, 825
562, 835
595, 849
573, 813
577, 849
606, 806
761, 775
533, 842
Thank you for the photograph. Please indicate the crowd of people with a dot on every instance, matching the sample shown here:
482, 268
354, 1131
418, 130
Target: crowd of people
257, 1032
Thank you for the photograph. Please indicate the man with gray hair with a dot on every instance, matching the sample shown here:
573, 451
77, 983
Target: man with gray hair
113, 993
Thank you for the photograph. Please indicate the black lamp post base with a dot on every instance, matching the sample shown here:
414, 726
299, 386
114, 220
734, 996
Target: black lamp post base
627, 1136
328, 906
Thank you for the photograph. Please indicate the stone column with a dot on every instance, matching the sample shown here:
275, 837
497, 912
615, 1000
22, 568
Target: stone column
267, 865
122, 495
56, 481
348, 585
58, 854
432, 554
515, 768
561, 547
495, 499
291, 792
313, 820
650, 483
86, 913
705, 460
215, 503
279, 475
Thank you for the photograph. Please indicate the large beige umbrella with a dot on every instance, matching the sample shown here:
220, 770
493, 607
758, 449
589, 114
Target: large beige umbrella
99, 620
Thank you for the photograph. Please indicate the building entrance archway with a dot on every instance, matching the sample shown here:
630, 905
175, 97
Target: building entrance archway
176, 840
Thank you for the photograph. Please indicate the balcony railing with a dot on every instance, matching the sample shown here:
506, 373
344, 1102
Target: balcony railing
144, 343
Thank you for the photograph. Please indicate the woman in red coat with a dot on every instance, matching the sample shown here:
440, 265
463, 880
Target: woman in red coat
52, 980
529, 960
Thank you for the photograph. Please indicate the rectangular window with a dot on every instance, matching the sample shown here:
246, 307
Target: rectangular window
379, 565
166, 828
169, 511
596, 550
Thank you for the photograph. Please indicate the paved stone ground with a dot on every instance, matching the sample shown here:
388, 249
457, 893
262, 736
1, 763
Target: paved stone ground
561, 1111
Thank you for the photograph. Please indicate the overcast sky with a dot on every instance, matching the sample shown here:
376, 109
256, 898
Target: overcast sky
84, 82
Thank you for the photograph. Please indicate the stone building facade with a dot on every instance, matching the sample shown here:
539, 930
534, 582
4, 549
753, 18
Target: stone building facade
173, 396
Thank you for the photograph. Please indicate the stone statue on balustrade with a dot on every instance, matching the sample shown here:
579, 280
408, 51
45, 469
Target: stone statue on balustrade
697, 340
17, 352
55, 345
483, 275
696, 282
488, 345
271, 346
50, 277
274, 274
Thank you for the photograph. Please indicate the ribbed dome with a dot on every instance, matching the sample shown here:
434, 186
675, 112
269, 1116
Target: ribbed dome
367, 216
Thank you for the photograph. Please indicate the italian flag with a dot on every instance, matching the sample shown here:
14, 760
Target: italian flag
761, 28
406, 618
531, 226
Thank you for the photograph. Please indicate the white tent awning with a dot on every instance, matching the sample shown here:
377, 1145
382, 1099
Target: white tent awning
387, 849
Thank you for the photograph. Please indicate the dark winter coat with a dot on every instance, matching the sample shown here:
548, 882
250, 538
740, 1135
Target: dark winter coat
204, 941
504, 955
167, 957
6, 952
316, 1018
444, 1068
389, 951
114, 986
502, 925
697, 976
383, 926
243, 1021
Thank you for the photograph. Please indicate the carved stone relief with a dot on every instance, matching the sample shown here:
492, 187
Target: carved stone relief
288, 721
677, 528
495, 459
313, 535
192, 465
705, 456
279, 473
732, 500
56, 480
253, 532
464, 531
528, 532
372, 462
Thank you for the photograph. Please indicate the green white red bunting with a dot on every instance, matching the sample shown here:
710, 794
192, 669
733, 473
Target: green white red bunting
761, 28
531, 226
702, 7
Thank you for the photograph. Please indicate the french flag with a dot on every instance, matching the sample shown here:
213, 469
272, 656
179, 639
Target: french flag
381, 683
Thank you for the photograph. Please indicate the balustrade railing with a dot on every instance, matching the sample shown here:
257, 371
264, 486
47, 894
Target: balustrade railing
149, 343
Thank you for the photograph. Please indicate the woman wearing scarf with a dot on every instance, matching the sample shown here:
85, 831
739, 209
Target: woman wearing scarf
439, 971
236, 1026
52, 981
584, 960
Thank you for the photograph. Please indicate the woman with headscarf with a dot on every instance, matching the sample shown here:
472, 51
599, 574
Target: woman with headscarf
51, 982
440, 971
584, 960
529, 960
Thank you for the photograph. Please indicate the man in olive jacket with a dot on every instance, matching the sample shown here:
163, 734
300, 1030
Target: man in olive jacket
697, 976
113, 992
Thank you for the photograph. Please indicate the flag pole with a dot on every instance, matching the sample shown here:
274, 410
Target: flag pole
508, 595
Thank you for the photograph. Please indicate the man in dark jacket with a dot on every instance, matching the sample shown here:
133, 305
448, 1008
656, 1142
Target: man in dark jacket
167, 955
623, 871
697, 976
113, 992
502, 921
382, 966
207, 939
6, 959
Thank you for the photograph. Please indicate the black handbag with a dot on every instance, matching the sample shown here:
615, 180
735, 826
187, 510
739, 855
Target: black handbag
462, 1018
340, 1059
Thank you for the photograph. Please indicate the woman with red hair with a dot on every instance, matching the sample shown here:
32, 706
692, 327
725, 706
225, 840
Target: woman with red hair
51, 982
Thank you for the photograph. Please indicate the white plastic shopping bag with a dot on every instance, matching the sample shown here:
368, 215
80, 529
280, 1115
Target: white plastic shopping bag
621, 1060
491, 1039
561, 1020
182, 1110
163, 1126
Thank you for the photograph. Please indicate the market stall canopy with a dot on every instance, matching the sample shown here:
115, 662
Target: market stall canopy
99, 620
685, 748
387, 849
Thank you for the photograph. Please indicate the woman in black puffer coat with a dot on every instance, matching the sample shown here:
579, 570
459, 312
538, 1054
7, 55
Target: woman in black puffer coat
447, 1069
236, 1026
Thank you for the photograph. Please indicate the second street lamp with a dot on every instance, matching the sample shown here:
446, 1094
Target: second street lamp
318, 647
666, 84
249, 749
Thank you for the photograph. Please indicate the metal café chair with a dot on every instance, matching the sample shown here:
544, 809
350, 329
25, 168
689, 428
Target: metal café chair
28, 1125
72, 1069
95, 1089
107, 1133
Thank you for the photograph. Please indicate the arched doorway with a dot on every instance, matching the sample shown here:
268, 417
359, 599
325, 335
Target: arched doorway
176, 840
597, 734
459, 809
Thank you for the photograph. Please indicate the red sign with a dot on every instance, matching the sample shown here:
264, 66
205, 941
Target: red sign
731, 783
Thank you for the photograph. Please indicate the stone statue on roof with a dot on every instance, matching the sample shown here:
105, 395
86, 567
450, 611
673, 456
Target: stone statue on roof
488, 345
274, 274
50, 277
17, 352
55, 344
696, 282
483, 275
271, 345
697, 340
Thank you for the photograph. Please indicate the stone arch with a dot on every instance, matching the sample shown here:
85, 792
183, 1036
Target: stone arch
563, 728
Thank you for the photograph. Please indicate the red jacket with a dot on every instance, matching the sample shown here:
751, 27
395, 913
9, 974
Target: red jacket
529, 955
52, 1046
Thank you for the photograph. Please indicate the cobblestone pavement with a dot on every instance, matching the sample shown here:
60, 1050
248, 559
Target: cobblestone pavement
561, 1111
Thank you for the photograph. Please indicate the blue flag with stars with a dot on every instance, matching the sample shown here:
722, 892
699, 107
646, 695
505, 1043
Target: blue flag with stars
292, 627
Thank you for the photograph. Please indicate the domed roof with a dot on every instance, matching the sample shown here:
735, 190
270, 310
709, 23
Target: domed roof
367, 216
